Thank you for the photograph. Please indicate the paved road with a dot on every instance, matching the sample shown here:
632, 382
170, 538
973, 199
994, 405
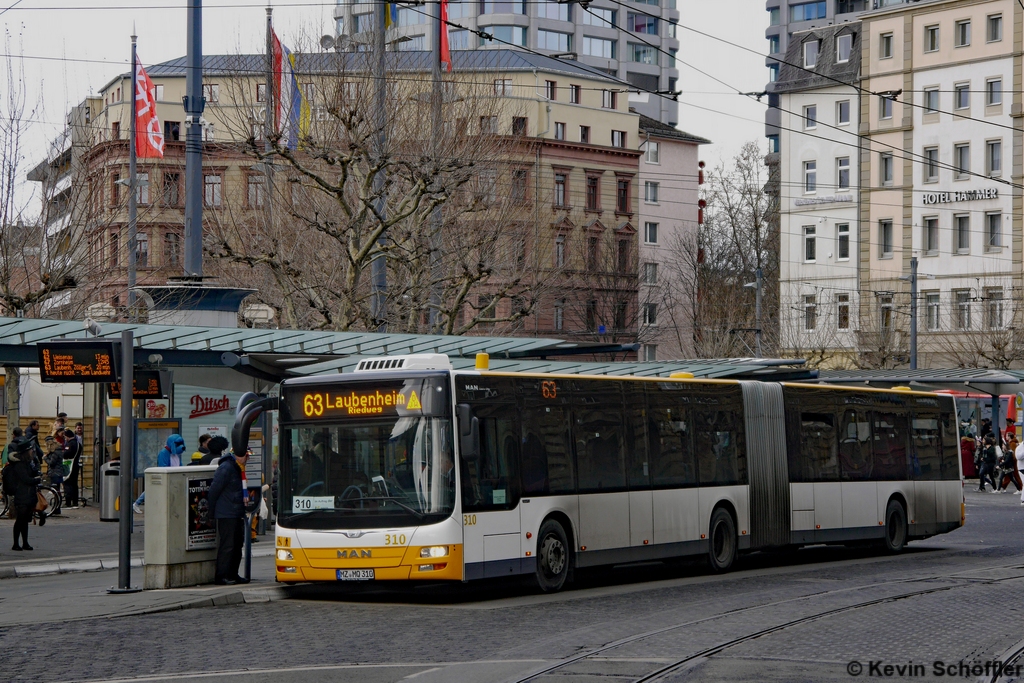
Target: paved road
806, 616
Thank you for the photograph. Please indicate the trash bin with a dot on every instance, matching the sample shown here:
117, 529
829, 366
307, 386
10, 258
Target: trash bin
110, 490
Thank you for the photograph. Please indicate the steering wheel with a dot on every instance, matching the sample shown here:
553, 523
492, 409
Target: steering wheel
352, 487
312, 488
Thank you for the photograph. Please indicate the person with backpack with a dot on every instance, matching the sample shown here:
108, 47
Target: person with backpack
989, 458
20, 482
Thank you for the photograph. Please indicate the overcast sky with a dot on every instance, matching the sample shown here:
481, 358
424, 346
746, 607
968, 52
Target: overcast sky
71, 48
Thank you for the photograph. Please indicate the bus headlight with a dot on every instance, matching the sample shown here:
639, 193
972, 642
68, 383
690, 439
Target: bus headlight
284, 554
434, 551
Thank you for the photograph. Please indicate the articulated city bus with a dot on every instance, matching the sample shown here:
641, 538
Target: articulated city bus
408, 469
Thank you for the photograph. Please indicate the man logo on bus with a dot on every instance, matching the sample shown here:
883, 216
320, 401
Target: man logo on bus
352, 554
548, 389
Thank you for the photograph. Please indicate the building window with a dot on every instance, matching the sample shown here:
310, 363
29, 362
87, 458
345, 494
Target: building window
560, 189
650, 314
843, 112
114, 249
457, 40
641, 23
962, 96
172, 189
886, 168
650, 352
605, 18
487, 186
622, 195
650, 274
618, 138
931, 38
810, 243
806, 11
962, 33
488, 125
962, 160
843, 311
931, 100
993, 91
931, 235
585, 134
843, 241
885, 311
811, 116
773, 73
141, 250
811, 54
650, 233
962, 309
559, 130
623, 260
994, 309
885, 46
593, 193
609, 99
994, 25
172, 249
810, 176
773, 44
651, 192
115, 189
550, 87
962, 223
208, 132
652, 152
843, 173
519, 125
774, 16
810, 312
599, 47
931, 164
885, 107
142, 188
502, 7
593, 253
211, 190
256, 188
554, 40
932, 310
994, 230
115, 130
559, 314
646, 54
520, 186
574, 94
885, 238
844, 47
261, 92
559, 251
503, 87
994, 157
211, 92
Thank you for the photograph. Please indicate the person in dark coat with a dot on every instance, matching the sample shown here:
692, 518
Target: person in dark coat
989, 458
226, 500
216, 447
72, 452
20, 481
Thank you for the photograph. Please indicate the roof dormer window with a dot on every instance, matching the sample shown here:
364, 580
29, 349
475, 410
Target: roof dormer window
844, 47
811, 53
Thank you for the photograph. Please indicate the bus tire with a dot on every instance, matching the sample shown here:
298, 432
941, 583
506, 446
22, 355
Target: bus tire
722, 543
553, 557
895, 527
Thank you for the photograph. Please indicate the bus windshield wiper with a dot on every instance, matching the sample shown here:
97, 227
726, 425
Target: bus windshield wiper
410, 510
307, 513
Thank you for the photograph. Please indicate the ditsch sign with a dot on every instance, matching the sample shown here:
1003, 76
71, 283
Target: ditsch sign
202, 405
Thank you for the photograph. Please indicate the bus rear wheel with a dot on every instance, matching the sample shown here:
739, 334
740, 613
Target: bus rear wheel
722, 541
895, 527
553, 556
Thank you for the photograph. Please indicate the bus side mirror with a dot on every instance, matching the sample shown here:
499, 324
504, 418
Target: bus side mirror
469, 432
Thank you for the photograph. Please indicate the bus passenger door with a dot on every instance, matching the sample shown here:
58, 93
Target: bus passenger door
490, 496
860, 493
638, 469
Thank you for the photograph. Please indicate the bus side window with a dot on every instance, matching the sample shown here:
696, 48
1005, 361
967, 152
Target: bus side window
491, 482
819, 457
718, 437
854, 445
950, 447
598, 430
889, 445
547, 455
638, 467
926, 459
668, 438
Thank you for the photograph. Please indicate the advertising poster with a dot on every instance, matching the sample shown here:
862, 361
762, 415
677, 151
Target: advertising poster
150, 438
203, 410
202, 531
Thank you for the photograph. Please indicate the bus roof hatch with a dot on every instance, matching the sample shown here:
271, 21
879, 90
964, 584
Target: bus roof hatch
418, 361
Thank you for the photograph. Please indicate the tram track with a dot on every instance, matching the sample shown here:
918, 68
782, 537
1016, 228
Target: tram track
690, 660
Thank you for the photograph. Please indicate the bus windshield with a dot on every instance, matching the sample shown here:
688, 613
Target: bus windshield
370, 473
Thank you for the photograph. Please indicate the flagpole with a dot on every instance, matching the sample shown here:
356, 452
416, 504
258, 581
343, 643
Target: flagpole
436, 101
378, 267
132, 185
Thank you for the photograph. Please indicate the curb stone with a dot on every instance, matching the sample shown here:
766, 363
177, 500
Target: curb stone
48, 568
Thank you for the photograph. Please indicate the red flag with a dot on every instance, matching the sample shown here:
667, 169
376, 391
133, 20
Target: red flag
149, 138
446, 55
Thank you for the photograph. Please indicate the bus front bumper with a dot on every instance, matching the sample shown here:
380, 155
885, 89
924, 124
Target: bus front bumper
424, 563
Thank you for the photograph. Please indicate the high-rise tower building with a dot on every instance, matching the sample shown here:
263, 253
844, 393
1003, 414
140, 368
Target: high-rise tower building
632, 41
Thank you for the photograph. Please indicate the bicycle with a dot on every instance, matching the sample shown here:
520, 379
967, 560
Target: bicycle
52, 496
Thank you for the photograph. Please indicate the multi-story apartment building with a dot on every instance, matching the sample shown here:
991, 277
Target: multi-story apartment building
635, 43
819, 191
939, 186
574, 158
669, 172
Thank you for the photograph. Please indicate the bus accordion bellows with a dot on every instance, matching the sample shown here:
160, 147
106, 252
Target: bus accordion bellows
410, 470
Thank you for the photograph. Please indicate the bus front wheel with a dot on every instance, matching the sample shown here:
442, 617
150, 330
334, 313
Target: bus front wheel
895, 527
722, 541
553, 557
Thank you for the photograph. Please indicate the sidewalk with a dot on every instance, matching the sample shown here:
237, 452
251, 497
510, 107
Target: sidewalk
75, 542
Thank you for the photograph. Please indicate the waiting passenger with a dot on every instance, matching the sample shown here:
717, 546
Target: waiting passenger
989, 458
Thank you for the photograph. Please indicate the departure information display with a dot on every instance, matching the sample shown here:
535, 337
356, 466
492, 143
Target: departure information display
145, 384
344, 400
85, 361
